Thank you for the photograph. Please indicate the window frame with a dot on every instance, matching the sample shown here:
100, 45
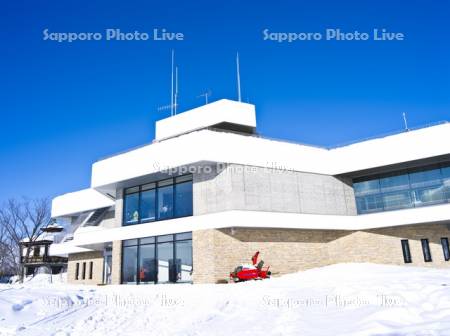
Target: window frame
164, 183
445, 248
175, 237
407, 258
426, 248
415, 189
91, 266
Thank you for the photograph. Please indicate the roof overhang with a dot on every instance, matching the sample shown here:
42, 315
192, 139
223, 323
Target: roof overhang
223, 147
79, 201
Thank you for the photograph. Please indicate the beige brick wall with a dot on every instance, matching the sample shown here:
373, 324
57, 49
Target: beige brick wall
116, 268
217, 252
96, 258
286, 251
383, 245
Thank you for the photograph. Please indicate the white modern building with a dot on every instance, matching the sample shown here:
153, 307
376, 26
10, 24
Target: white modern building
209, 191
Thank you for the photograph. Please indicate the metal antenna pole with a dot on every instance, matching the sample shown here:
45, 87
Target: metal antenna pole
405, 121
171, 94
176, 91
238, 77
206, 95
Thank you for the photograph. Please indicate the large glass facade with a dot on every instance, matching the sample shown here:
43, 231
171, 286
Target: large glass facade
169, 198
409, 189
129, 274
161, 259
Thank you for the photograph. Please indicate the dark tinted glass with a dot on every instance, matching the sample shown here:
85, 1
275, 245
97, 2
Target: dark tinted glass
165, 202
131, 212
406, 251
183, 199
426, 250
129, 263
445, 248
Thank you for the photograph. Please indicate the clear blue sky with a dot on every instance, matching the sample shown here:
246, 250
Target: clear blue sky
65, 105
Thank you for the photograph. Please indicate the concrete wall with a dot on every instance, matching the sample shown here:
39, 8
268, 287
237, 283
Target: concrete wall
237, 187
96, 258
217, 252
109, 220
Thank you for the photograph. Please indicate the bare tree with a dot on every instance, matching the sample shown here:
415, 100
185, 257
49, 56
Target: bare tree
22, 221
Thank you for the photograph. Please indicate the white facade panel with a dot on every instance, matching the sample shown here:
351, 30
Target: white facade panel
79, 201
206, 145
220, 111
263, 219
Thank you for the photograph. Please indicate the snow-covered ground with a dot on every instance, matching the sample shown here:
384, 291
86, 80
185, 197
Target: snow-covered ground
344, 299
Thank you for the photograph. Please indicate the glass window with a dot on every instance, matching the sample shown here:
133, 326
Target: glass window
130, 242
147, 264
166, 263
427, 196
131, 212
165, 202
184, 235
445, 248
77, 271
367, 187
132, 190
183, 178
406, 251
148, 186
446, 182
91, 266
446, 173
399, 200
426, 250
158, 200
165, 183
393, 183
183, 199
369, 204
147, 240
148, 205
158, 259
83, 271
129, 263
165, 238
183, 261
425, 178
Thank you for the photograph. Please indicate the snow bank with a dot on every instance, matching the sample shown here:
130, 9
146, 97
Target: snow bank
345, 299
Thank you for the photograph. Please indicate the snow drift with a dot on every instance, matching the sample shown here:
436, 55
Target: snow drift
344, 299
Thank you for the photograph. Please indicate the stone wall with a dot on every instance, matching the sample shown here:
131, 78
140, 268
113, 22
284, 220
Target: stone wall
217, 252
116, 269
383, 246
96, 257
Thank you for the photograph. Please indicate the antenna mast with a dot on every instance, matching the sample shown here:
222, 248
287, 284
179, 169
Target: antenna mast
405, 121
171, 93
206, 95
238, 77
176, 91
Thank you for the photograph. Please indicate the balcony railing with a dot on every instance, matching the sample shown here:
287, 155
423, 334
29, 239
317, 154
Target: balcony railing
42, 260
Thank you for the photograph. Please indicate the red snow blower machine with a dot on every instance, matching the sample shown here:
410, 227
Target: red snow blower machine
251, 272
